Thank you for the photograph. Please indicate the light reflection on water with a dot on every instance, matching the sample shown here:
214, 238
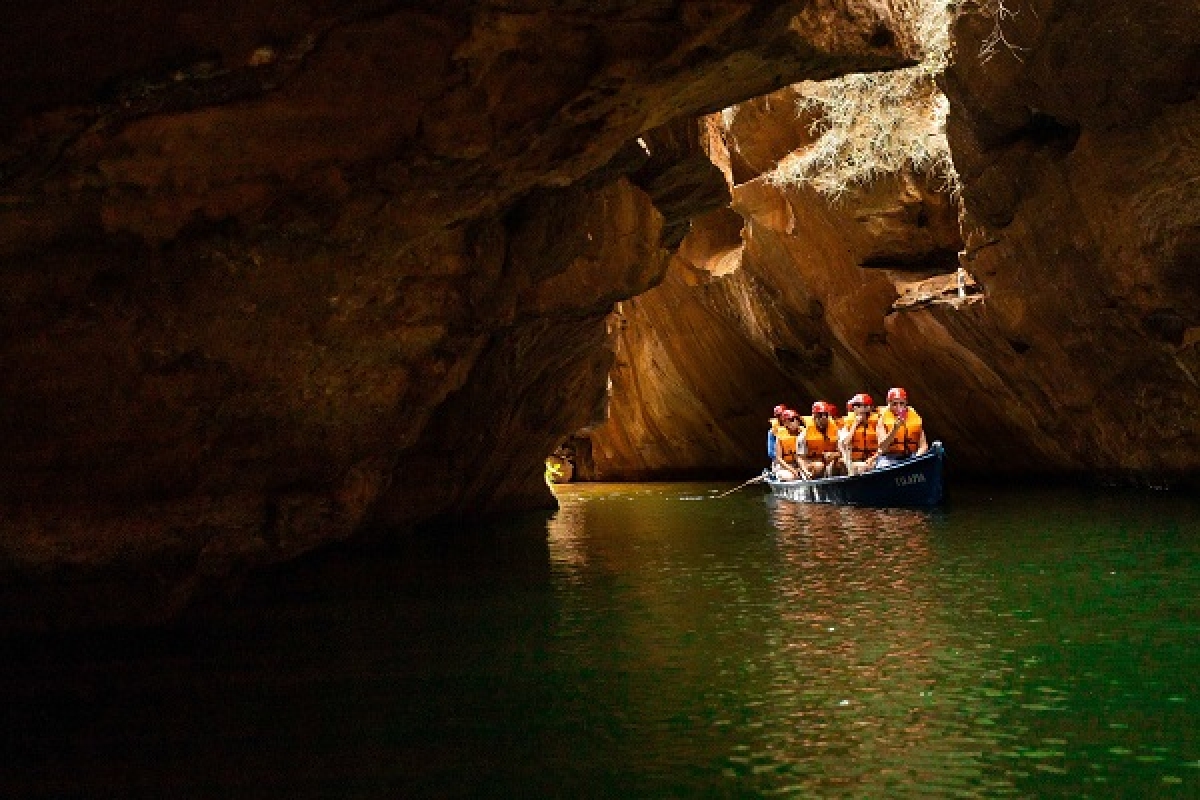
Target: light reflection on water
654, 641
894, 653
856, 667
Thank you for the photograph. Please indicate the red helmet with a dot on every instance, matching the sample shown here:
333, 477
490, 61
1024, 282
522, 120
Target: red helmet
788, 415
820, 407
859, 400
778, 412
897, 394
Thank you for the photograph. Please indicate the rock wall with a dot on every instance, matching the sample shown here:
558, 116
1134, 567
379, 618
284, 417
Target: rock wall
1074, 128
1077, 142
779, 299
275, 274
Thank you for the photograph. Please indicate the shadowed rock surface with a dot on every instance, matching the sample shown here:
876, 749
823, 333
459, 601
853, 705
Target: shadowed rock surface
274, 274
1078, 150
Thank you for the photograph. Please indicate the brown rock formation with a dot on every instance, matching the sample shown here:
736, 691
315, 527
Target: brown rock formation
781, 298
1076, 146
275, 275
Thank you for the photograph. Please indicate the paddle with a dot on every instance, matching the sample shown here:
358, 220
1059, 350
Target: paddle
755, 479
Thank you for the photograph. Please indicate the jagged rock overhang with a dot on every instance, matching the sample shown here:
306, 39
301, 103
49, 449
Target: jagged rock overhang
255, 262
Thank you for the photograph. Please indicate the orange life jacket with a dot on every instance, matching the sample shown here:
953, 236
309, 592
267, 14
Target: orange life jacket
909, 438
772, 432
819, 441
864, 442
787, 446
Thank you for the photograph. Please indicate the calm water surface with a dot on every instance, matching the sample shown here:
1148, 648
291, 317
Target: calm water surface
652, 641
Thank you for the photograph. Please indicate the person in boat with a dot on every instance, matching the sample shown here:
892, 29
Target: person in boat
819, 453
859, 439
786, 464
900, 432
560, 465
775, 423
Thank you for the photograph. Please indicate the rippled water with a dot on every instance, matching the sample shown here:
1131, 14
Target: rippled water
653, 641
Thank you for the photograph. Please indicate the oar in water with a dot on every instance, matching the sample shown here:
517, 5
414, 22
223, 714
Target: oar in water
755, 479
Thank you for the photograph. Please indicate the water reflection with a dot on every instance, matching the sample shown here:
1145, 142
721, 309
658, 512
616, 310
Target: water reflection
863, 654
804, 649
565, 535
650, 641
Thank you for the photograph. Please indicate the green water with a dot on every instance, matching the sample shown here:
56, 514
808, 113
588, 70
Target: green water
651, 641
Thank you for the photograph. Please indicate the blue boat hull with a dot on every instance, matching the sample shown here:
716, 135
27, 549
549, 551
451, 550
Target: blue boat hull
915, 482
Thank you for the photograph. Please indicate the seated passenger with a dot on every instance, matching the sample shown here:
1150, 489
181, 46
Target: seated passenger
859, 439
775, 423
819, 449
786, 465
899, 431
842, 421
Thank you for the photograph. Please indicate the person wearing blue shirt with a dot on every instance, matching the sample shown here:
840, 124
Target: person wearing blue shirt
774, 422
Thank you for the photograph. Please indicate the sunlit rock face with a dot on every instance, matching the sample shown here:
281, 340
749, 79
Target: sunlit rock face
279, 272
784, 297
1075, 351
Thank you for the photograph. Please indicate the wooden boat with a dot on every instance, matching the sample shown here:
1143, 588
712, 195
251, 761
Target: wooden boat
915, 482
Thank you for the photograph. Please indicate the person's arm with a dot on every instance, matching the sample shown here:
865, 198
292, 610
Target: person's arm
832, 456
779, 462
923, 448
846, 440
793, 468
884, 436
872, 457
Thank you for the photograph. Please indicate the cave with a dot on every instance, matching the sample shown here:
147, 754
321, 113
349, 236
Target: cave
308, 306
265, 274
